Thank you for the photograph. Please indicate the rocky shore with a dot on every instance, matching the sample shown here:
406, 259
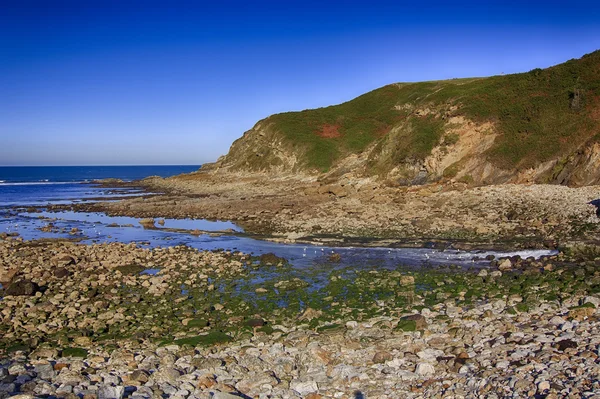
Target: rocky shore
115, 320
345, 209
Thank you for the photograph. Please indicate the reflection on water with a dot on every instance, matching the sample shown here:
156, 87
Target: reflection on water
98, 227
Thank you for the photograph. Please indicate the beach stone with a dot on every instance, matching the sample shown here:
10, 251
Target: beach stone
581, 313
224, 395
139, 376
111, 392
22, 288
45, 371
505, 264
147, 223
382, 357
256, 322
543, 386
425, 369
61, 272
407, 280
6, 275
166, 376
420, 321
591, 299
304, 388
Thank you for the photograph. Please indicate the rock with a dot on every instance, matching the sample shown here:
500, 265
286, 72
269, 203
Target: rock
425, 369
161, 222
335, 257
591, 299
304, 388
63, 260
420, 321
61, 272
166, 376
581, 313
224, 395
482, 273
147, 223
336, 189
382, 357
310, 314
257, 322
565, 344
22, 288
504, 264
139, 376
7, 275
407, 280
543, 386
110, 392
45, 371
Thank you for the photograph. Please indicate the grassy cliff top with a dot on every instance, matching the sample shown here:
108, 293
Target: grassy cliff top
540, 115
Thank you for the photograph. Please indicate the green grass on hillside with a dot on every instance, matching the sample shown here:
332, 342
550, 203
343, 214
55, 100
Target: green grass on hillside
540, 115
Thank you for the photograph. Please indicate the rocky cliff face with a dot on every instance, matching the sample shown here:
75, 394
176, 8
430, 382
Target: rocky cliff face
523, 128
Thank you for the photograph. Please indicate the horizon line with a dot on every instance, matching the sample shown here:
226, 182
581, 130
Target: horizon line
75, 166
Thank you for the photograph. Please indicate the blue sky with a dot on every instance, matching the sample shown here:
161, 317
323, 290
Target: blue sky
93, 83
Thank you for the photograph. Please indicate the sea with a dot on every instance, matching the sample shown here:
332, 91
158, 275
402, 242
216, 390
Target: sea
26, 212
35, 185
39, 175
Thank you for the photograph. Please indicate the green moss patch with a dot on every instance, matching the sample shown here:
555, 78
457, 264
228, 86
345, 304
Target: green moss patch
74, 352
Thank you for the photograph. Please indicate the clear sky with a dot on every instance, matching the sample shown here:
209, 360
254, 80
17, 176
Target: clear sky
103, 82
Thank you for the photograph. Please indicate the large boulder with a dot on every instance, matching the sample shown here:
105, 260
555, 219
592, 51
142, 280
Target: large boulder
22, 288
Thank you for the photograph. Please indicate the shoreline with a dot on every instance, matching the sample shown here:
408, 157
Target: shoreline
305, 211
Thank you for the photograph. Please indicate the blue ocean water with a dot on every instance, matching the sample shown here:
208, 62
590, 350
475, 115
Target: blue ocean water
35, 185
70, 174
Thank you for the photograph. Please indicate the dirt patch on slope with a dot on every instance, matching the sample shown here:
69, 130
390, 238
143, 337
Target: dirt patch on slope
329, 131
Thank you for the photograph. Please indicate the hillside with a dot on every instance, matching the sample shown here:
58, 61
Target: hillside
539, 126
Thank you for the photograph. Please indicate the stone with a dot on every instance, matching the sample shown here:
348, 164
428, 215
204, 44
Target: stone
61, 272
110, 392
382, 357
7, 275
543, 386
310, 314
304, 388
504, 264
45, 371
166, 376
591, 299
420, 321
224, 395
581, 313
147, 223
256, 322
425, 369
407, 280
22, 288
139, 376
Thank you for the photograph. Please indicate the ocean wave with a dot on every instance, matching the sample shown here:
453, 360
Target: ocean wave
34, 183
